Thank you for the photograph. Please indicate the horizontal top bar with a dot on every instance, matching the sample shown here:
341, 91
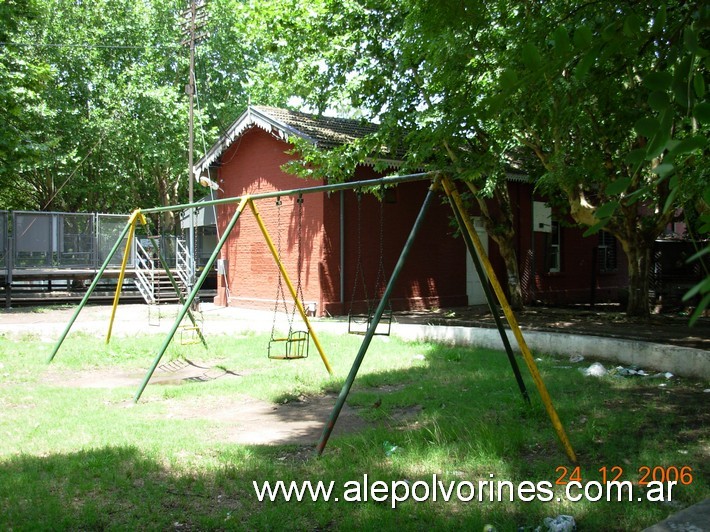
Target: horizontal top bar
383, 181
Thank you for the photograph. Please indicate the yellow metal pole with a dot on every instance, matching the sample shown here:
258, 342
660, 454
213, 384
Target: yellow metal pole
291, 289
126, 253
452, 192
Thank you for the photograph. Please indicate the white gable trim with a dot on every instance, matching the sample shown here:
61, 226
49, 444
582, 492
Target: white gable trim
250, 118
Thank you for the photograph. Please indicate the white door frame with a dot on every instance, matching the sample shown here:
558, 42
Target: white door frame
474, 289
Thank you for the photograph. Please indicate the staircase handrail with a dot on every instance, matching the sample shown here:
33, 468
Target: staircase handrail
184, 263
145, 273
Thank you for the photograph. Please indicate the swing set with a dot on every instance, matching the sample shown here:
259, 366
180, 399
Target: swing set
296, 342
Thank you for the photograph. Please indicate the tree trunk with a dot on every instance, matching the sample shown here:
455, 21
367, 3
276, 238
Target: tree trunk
635, 239
164, 188
510, 257
500, 227
638, 258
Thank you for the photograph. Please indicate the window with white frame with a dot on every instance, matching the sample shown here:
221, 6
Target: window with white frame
554, 256
607, 252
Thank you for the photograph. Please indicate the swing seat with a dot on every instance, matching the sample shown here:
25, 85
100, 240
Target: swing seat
190, 335
295, 346
360, 323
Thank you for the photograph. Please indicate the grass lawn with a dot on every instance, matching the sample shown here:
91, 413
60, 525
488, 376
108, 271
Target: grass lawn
77, 456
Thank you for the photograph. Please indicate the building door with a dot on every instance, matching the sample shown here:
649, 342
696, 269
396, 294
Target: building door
474, 288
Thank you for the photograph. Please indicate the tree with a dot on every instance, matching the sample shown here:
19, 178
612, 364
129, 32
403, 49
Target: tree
95, 94
419, 69
89, 131
21, 81
611, 99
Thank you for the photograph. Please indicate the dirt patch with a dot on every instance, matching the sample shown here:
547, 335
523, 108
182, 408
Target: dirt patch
245, 420
238, 419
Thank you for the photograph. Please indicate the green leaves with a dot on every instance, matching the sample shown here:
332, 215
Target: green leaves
617, 186
606, 209
561, 41
701, 112
585, 64
632, 25
531, 56
647, 127
699, 85
658, 81
658, 101
582, 37
508, 79
686, 146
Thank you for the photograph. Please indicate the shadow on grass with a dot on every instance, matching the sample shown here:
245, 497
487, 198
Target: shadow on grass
469, 423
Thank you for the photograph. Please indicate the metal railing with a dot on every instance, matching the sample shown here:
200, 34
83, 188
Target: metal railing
4, 241
59, 240
32, 242
145, 273
185, 264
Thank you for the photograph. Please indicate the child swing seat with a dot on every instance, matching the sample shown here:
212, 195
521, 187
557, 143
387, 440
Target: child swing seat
295, 343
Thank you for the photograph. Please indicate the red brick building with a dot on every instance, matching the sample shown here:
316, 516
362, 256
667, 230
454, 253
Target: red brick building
556, 263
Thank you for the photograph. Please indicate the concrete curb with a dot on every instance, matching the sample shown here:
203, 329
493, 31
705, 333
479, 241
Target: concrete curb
693, 519
682, 361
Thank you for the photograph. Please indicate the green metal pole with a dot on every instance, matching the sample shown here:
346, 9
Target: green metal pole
492, 304
191, 296
452, 192
328, 429
383, 181
91, 289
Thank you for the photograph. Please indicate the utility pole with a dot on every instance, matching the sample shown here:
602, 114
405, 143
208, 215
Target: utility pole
195, 19
191, 140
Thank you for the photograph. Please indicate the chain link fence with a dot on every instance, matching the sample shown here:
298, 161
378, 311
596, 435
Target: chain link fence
58, 240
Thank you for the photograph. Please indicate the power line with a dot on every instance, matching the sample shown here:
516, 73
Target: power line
84, 45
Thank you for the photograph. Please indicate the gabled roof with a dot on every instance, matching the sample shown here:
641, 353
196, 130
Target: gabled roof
323, 131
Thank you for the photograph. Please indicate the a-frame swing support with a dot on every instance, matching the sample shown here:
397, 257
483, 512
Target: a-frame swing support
128, 230
137, 216
453, 194
490, 299
243, 201
461, 216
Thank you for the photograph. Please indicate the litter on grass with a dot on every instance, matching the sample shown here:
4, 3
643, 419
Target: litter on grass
561, 523
389, 448
595, 370
598, 370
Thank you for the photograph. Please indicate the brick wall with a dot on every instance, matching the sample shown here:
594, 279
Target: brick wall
433, 276
580, 279
435, 272
252, 165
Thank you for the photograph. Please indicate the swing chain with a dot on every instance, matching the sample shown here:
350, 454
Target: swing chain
299, 260
381, 277
359, 273
280, 296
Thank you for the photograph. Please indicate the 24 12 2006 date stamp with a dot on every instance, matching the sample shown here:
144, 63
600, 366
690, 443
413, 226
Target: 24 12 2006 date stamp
682, 475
